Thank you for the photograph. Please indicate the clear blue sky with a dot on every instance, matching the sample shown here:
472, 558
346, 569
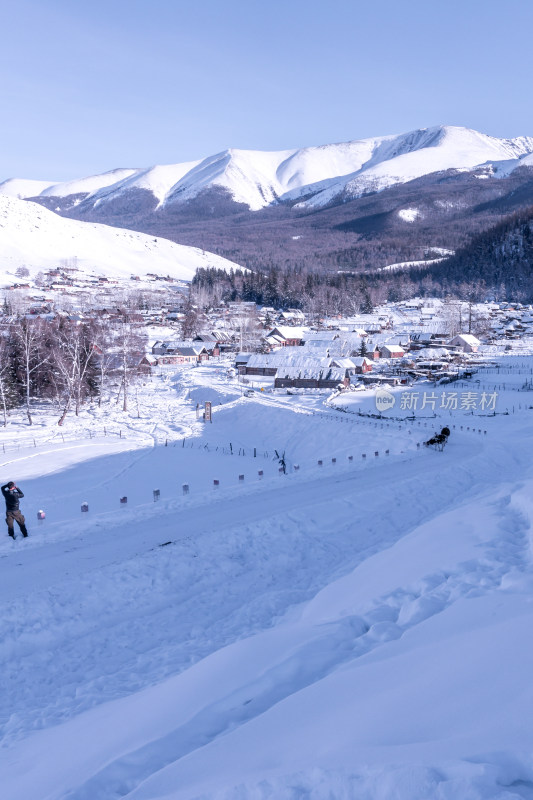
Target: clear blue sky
89, 86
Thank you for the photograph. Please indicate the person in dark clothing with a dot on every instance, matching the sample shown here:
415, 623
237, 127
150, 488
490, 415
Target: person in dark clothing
12, 495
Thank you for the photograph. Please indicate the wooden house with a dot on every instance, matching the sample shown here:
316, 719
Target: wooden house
179, 352
466, 342
285, 336
362, 364
307, 378
392, 351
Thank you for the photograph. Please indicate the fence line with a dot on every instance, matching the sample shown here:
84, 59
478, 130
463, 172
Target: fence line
241, 478
60, 436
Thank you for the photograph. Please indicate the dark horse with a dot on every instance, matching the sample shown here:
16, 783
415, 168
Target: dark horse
439, 440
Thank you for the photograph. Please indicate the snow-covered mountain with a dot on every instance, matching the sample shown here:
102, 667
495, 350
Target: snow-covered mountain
400, 159
34, 237
320, 175
22, 188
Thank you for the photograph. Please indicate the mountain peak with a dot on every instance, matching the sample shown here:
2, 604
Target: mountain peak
321, 173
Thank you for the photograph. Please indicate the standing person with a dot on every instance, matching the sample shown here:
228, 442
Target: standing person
12, 495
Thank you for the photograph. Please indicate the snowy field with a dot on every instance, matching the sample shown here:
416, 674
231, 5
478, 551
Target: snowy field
358, 628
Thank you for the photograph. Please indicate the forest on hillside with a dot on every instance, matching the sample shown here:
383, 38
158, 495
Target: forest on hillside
496, 264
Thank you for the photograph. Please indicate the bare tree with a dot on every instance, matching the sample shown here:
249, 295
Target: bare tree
353, 303
5, 374
72, 355
28, 336
19, 301
130, 348
192, 319
452, 313
250, 330
315, 306
105, 353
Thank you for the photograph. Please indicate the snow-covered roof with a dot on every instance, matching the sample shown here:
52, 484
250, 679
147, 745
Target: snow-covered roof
320, 336
287, 332
311, 372
360, 361
189, 350
150, 358
380, 339
467, 338
434, 326
282, 358
364, 322
432, 352
339, 343
347, 363
392, 348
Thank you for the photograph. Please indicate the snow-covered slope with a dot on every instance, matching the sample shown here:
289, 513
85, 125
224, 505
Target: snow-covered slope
403, 158
36, 238
158, 180
359, 630
500, 169
22, 187
88, 185
320, 174
260, 178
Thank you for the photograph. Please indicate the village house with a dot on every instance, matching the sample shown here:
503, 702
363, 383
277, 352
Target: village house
362, 364
466, 342
292, 316
311, 378
334, 343
179, 352
391, 351
284, 336
267, 315
242, 306
185, 354
217, 342
369, 323
259, 364
148, 361
241, 360
173, 316
269, 363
